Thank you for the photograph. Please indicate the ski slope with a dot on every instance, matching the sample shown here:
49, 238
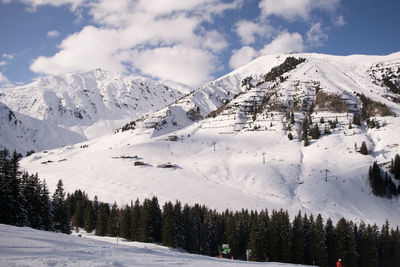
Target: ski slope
235, 160
27, 247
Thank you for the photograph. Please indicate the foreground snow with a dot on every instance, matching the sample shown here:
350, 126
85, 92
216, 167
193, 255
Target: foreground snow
28, 247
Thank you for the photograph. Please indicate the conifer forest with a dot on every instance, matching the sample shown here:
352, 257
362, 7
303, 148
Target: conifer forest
270, 235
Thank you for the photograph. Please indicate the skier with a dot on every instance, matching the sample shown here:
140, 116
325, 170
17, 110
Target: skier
339, 263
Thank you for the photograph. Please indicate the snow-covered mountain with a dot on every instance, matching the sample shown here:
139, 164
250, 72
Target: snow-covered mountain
226, 144
57, 111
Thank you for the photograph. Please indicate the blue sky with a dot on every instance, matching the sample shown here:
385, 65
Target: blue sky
190, 41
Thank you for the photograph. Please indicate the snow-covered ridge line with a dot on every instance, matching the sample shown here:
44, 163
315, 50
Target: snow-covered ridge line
81, 106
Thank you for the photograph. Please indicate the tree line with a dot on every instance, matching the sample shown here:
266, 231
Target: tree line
271, 236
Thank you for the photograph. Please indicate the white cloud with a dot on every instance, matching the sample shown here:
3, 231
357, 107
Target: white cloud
188, 65
242, 56
339, 21
4, 82
53, 34
149, 30
34, 4
295, 9
316, 36
284, 43
248, 30
9, 56
3, 63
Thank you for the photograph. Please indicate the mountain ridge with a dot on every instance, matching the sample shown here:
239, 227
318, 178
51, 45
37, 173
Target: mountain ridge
241, 156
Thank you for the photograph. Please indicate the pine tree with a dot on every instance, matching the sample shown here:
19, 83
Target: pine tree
256, 239
297, 240
60, 214
385, 246
31, 189
357, 119
102, 217
46, 210
135, 221
290, 136
320, 255
179, 230
113, 221
395, 167
168, 226
367, 246
363, 149
125, 222
292, 118
314, 132
89, 218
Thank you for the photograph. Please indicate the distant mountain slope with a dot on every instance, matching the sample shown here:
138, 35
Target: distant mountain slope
87, 105
227, 144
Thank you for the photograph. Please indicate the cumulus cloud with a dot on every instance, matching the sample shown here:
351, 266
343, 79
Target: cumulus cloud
316, 36
4, 82
158, 33
242, 56
178, 63
248, 30
3, 63
53, 34
284, 43
295, 9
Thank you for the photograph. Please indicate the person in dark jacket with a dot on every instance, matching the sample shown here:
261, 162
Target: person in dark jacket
339, 263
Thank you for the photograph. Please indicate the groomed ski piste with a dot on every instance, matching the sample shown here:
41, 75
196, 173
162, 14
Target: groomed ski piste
23, 246
235, 160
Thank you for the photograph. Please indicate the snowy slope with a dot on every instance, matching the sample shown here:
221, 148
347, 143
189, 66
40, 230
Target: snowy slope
28, 247
80, 106
236, 158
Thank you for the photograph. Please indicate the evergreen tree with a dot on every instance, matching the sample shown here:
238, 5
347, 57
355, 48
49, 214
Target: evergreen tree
102, 217
346, 246
125, 222
280, 236
363, 149
89, 218
292, 118
320, 254
60, 214
113, 221
395, 167
314, 132
179, 229
168, 226
256, 240
135, 221
395, 236
297, 240
367, 246
290, 136
46, 211
385, 246
357, 119
331, 242
31, 190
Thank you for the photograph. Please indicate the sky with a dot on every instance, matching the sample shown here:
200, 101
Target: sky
188, 41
